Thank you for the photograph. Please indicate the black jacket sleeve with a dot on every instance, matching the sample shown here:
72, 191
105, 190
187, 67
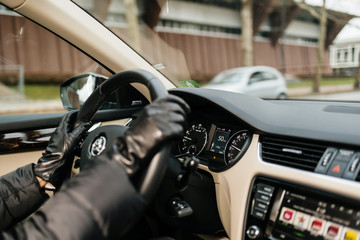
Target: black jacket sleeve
99, 203
20, 196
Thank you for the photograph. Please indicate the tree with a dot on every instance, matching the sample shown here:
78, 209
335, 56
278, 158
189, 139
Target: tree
322, 16
101, 9
321, 47
247, 32
132, 19
357, 76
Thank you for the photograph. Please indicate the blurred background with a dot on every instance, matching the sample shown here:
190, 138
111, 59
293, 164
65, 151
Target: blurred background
314, 45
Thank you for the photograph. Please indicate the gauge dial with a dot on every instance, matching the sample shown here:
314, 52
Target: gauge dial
236, 146
194, 140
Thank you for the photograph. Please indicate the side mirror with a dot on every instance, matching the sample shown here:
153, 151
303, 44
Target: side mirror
76, 90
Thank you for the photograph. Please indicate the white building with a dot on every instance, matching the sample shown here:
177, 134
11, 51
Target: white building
344, 56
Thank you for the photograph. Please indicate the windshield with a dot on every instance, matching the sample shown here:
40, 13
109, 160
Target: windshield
295, 49
314, 44
139, 24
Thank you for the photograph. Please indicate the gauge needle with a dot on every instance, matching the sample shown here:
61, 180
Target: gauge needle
236, 148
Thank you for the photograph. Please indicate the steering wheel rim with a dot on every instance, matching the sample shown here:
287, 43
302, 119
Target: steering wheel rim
150, 180
99, 96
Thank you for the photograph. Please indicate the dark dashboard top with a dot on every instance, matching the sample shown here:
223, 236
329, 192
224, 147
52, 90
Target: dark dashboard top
337, 122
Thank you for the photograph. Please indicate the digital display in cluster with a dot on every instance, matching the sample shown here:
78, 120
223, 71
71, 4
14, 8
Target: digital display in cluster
221, 136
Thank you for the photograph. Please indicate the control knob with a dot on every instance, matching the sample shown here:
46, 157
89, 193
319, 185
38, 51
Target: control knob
253, 232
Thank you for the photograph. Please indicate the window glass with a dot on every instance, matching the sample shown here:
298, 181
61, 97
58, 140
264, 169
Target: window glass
268, 76
255, 77
229, 77
33, 64
200, 39
338, 56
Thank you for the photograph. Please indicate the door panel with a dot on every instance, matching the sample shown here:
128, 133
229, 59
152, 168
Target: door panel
10, 162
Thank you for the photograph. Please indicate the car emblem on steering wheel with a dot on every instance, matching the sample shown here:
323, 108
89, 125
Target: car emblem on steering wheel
98, 146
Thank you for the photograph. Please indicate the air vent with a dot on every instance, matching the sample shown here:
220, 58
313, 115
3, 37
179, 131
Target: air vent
301, 154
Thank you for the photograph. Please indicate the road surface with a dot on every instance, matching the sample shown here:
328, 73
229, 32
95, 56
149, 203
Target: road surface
346, 96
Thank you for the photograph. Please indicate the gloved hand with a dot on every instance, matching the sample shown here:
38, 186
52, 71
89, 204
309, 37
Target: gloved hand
162, 121
56, 163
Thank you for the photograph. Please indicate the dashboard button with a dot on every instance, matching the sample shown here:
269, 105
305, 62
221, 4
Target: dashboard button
258, 214
344, 155
253, 232
265, 189
261, 206
337, 168
262, 198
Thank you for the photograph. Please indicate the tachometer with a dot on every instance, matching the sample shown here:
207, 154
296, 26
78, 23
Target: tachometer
236, 145
194, 140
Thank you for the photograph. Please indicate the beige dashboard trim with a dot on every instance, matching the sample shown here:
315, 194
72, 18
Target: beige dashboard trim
10, 162
232, 186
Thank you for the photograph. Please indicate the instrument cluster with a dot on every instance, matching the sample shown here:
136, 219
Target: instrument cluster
217, 145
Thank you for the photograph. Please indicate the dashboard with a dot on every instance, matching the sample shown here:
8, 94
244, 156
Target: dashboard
281, 169
267, 169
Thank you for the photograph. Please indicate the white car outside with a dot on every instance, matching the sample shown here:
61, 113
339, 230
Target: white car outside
260, 81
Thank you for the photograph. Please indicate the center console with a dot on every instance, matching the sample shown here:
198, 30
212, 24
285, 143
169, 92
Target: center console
279, 210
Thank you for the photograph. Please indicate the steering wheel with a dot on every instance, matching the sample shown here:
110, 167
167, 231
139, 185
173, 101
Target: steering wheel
100, 141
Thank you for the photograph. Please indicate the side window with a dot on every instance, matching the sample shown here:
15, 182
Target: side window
268, 76
234, 78
33, 64
255, 77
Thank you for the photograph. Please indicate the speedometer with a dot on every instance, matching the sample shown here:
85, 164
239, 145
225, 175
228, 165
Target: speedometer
236, 146
194, 140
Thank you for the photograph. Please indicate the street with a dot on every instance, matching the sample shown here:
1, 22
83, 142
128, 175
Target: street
345, 96
335, 92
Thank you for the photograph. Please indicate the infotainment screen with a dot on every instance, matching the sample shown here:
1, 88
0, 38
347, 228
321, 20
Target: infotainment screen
304, 217
282, 210
220, 139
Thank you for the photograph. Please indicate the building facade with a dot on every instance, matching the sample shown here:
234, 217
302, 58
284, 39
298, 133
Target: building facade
344, 56
202, 39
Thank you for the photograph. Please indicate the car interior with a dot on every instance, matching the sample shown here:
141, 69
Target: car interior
246, 168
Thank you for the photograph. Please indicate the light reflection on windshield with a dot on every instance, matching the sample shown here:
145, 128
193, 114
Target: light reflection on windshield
124, 19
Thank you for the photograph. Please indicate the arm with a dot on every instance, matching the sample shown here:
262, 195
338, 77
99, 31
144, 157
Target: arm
41, 182
22, 191
20, 195
54, 166
101, 202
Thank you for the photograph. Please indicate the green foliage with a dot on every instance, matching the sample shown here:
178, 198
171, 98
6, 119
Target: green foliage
325, 82
41, 91
189, 83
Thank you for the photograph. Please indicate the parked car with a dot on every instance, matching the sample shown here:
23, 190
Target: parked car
267, 169
260, 81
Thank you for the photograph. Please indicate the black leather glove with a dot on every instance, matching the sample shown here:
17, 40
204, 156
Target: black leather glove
56, 163
162, 121
98, 203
